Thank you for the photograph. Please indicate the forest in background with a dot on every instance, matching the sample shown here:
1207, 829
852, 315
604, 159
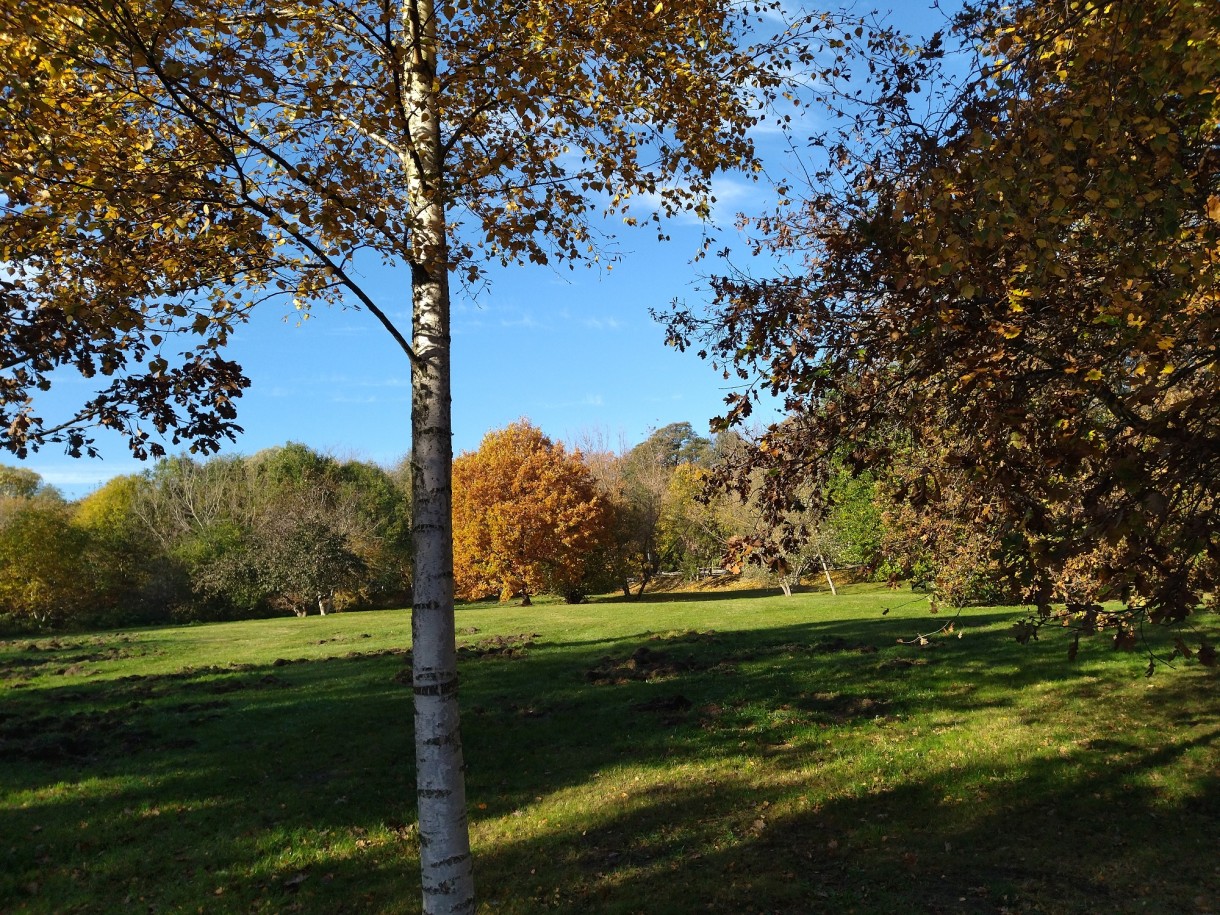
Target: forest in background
289, 530
286, 530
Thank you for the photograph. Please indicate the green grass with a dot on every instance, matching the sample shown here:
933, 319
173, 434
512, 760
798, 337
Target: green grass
731, 753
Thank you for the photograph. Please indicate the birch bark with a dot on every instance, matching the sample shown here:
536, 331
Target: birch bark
444, 841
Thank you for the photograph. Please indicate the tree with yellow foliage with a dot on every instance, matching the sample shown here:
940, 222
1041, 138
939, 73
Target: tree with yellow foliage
527, 517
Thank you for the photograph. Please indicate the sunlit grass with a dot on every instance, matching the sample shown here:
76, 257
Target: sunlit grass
729, 752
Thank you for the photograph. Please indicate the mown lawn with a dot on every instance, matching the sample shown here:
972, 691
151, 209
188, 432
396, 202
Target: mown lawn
725, 753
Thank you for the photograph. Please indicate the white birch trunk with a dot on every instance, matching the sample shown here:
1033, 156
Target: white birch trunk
825, 571
444, 838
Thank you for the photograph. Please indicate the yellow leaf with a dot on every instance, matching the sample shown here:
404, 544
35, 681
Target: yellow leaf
1213, 208
1093, 375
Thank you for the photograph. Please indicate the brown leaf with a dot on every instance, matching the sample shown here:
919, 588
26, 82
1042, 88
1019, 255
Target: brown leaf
1207, 654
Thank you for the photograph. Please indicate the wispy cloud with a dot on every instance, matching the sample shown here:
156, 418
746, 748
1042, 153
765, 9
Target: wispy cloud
603, 323
525, 319
83, 477
589, 400
349, 331
77, 479
389, 381
729, 195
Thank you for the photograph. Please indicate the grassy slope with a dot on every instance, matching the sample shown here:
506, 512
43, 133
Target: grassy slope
721, 752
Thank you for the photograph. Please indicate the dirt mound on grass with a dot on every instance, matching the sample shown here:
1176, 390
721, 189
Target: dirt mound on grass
641, 664
500, 646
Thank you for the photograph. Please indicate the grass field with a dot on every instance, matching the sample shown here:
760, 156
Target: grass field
727, 753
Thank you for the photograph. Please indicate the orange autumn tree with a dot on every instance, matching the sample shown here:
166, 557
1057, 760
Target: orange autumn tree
527, 517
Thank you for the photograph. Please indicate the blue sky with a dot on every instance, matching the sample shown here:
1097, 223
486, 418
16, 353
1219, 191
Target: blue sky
574, 351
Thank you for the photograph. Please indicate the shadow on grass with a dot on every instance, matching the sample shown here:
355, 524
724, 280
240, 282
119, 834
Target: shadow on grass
672, 597
1041, 840
789, 769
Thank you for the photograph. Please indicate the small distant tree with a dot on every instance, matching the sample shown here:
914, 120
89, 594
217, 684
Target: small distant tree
692, 530
129, 568
327, 532
527, 517
301, 558
19, 482
44, 578
639, 483
805, 542
221, 578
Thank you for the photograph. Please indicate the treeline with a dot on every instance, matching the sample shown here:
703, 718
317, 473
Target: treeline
531, 516
287, 530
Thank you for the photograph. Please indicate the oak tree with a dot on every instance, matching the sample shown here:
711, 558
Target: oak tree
1016, 281
127, 565
643, 482
44, 572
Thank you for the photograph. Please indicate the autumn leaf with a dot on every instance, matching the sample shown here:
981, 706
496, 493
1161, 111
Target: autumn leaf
1207, 654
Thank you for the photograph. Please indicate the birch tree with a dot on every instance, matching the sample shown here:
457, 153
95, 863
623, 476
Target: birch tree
168, 165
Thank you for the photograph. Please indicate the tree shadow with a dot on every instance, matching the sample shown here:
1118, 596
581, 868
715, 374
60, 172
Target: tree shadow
774, 777
1046, 839
677, 597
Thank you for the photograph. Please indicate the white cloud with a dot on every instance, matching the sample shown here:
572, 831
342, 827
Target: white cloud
730, 195
79, 478
346, 381
525, 319
603, 323
589, 400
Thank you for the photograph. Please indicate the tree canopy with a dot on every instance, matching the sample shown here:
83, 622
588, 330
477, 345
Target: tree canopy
1009, 294
169, 166
527, 517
